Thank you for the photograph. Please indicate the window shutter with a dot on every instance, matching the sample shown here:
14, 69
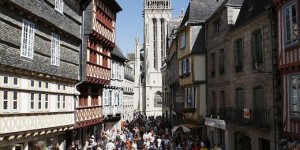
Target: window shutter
236, 55
253, 47
180, 69
190, 65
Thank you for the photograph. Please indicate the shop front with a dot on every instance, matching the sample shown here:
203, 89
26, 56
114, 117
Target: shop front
216, 131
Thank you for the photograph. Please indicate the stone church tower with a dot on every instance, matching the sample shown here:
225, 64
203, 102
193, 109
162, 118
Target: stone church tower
156, 15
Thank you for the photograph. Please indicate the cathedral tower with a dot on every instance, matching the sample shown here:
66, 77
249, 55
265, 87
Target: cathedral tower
156, 15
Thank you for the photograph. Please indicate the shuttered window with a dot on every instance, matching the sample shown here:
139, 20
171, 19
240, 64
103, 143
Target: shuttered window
259, 100
238, 55
239, 98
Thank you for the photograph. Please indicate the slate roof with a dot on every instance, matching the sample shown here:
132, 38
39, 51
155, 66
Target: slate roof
199, 46
248, 13
199, 10
131, 56
118, 52
234, 2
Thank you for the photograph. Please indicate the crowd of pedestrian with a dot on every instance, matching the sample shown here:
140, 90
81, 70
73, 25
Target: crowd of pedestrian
148, 134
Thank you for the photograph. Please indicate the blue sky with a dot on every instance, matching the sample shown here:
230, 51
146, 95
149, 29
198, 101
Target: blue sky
130, 22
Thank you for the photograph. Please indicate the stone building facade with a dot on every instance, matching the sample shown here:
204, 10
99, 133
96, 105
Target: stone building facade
218, 26
39, 67
250, 69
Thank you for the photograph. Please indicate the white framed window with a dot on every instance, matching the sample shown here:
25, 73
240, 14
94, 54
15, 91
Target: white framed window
55, 49
46, 85
295, 96
32, 83
5, 101
32, 101
46, 101
106, 93
59, 5
27, 39
64, 102
5, 80
290, 14
40, 84
40, 101
58, 101
15, 101
15, 79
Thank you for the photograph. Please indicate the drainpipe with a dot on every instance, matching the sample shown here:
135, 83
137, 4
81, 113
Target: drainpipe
275, 103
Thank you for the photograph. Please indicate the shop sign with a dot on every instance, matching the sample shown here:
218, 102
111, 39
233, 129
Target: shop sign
179, 98
217, 123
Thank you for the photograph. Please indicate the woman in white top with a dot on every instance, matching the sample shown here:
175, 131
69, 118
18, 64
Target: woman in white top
134, 145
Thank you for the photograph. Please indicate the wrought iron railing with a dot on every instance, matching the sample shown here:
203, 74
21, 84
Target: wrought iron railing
259, 118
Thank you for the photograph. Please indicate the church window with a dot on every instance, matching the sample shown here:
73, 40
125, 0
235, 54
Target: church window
154, 42
162, 25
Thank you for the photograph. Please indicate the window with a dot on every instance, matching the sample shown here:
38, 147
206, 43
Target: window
217, 26
257, 48
259, 99
238, 55
182, 41
40, 83
27, 39
221, 62
212, 64
213, 104
154, 43
32, 83
31, 100
106, 93
110, 96
5, 100
64, 87
5, 80
58, 101
239, 98
40, 101
162, 37
295, 96
58, 86
55, 49
64, 102
46, 85
46, 101
15, 81
157, 100
15, 100
59, 5
291, 24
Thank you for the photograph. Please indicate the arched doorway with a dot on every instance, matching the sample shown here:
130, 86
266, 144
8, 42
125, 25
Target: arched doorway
242, 141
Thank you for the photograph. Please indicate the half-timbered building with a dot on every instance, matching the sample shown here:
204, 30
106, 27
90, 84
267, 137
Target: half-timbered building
289, 61
98, 42
40, 44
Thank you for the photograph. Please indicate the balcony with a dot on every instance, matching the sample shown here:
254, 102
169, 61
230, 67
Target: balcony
259, 118
88, 115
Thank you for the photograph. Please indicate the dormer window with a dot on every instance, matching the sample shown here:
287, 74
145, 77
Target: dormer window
59, 6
